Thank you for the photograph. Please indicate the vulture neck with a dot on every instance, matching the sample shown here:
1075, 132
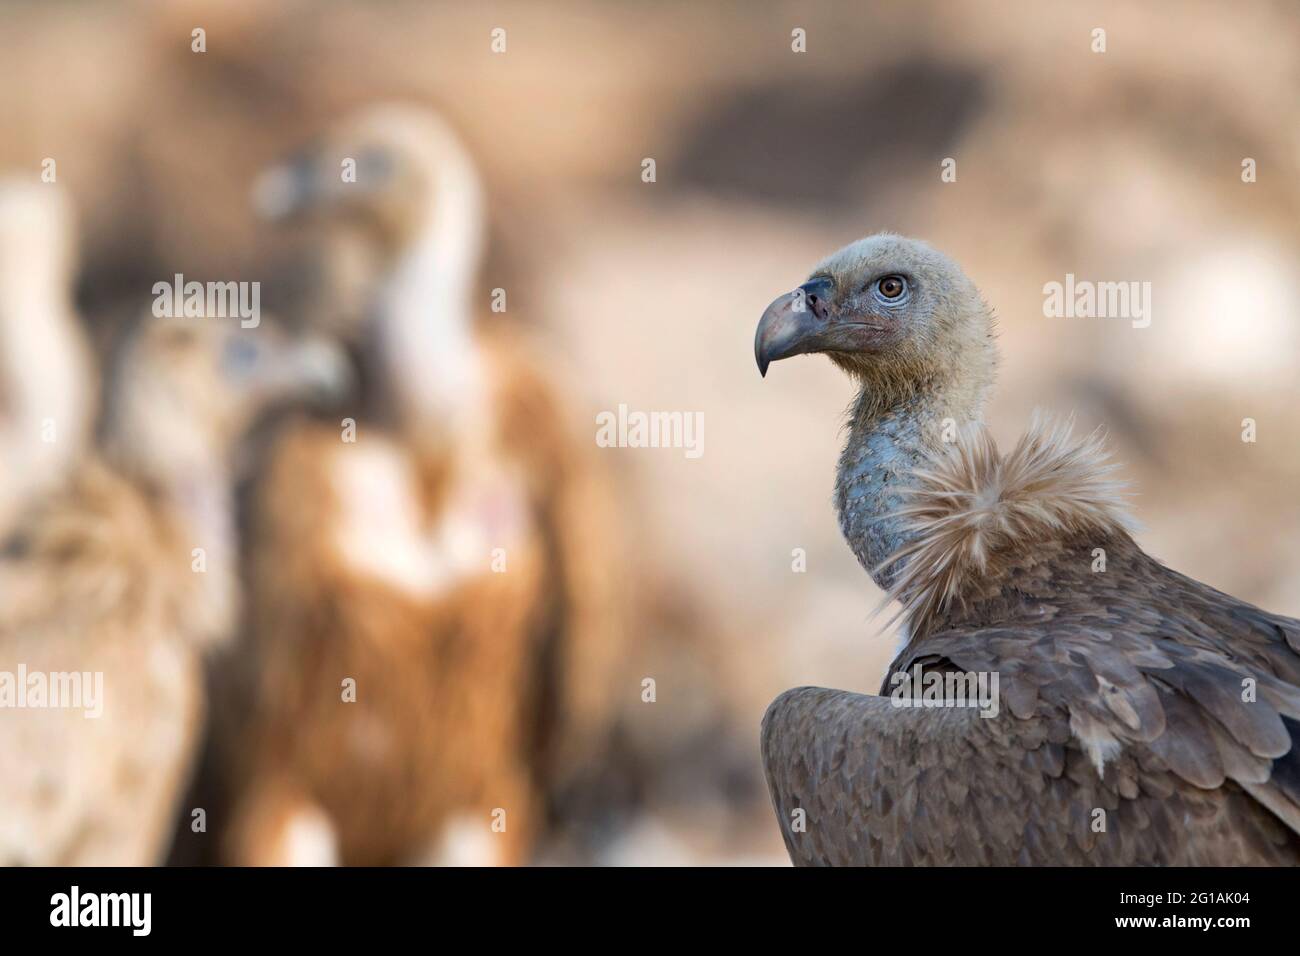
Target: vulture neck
44, 370
183, 472
892, 431
426, 317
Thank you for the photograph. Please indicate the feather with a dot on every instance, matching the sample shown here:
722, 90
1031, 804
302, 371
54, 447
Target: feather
971, 511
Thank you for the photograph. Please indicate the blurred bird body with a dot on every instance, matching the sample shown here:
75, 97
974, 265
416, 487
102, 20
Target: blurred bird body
1146, 718
103, 578
406, 605
448, 560
105, 590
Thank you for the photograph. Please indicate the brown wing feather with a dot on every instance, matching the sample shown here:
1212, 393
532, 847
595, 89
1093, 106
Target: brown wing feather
880, 785
1138, 668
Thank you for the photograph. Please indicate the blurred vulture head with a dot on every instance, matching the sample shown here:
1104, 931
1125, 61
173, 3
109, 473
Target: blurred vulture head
185, 390
394, 176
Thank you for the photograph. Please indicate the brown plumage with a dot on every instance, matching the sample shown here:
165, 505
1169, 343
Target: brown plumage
1140, 717
451, 561
971, 511
103, 580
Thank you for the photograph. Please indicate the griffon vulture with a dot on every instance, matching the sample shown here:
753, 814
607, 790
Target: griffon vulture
1140, 717
112, 587
47, 378
432, 627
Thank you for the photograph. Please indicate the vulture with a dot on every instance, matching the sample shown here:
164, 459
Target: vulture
47, 377
114, 585
431, 621
1061, 697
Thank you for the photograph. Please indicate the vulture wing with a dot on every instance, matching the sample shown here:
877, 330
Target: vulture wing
857, 781
1126, 733
1142, 717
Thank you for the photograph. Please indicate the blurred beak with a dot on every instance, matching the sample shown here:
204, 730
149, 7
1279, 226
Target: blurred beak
794, 324
287, 189
316, 368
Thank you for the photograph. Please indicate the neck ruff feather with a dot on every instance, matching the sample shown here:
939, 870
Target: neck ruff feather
971, 512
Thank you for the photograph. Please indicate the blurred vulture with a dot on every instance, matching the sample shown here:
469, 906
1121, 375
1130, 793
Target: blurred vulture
111, 589
431, 617
47, 379
1139, 717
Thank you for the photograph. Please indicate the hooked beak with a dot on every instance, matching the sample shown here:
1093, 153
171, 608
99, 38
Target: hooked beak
794, 324
314, 367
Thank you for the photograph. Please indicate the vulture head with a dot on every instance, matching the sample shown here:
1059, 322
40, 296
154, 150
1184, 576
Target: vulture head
891, 311
391, 177
397, 213
184, 391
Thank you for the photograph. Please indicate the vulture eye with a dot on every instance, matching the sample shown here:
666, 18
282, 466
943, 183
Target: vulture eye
891, 287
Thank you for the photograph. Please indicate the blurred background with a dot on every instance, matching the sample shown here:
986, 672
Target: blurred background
1117, 166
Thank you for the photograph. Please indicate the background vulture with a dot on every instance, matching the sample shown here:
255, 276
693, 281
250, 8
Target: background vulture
103, 577
1144, 718
443, 548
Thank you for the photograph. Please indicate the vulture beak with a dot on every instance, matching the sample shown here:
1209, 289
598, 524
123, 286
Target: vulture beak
794, 324
313, 367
